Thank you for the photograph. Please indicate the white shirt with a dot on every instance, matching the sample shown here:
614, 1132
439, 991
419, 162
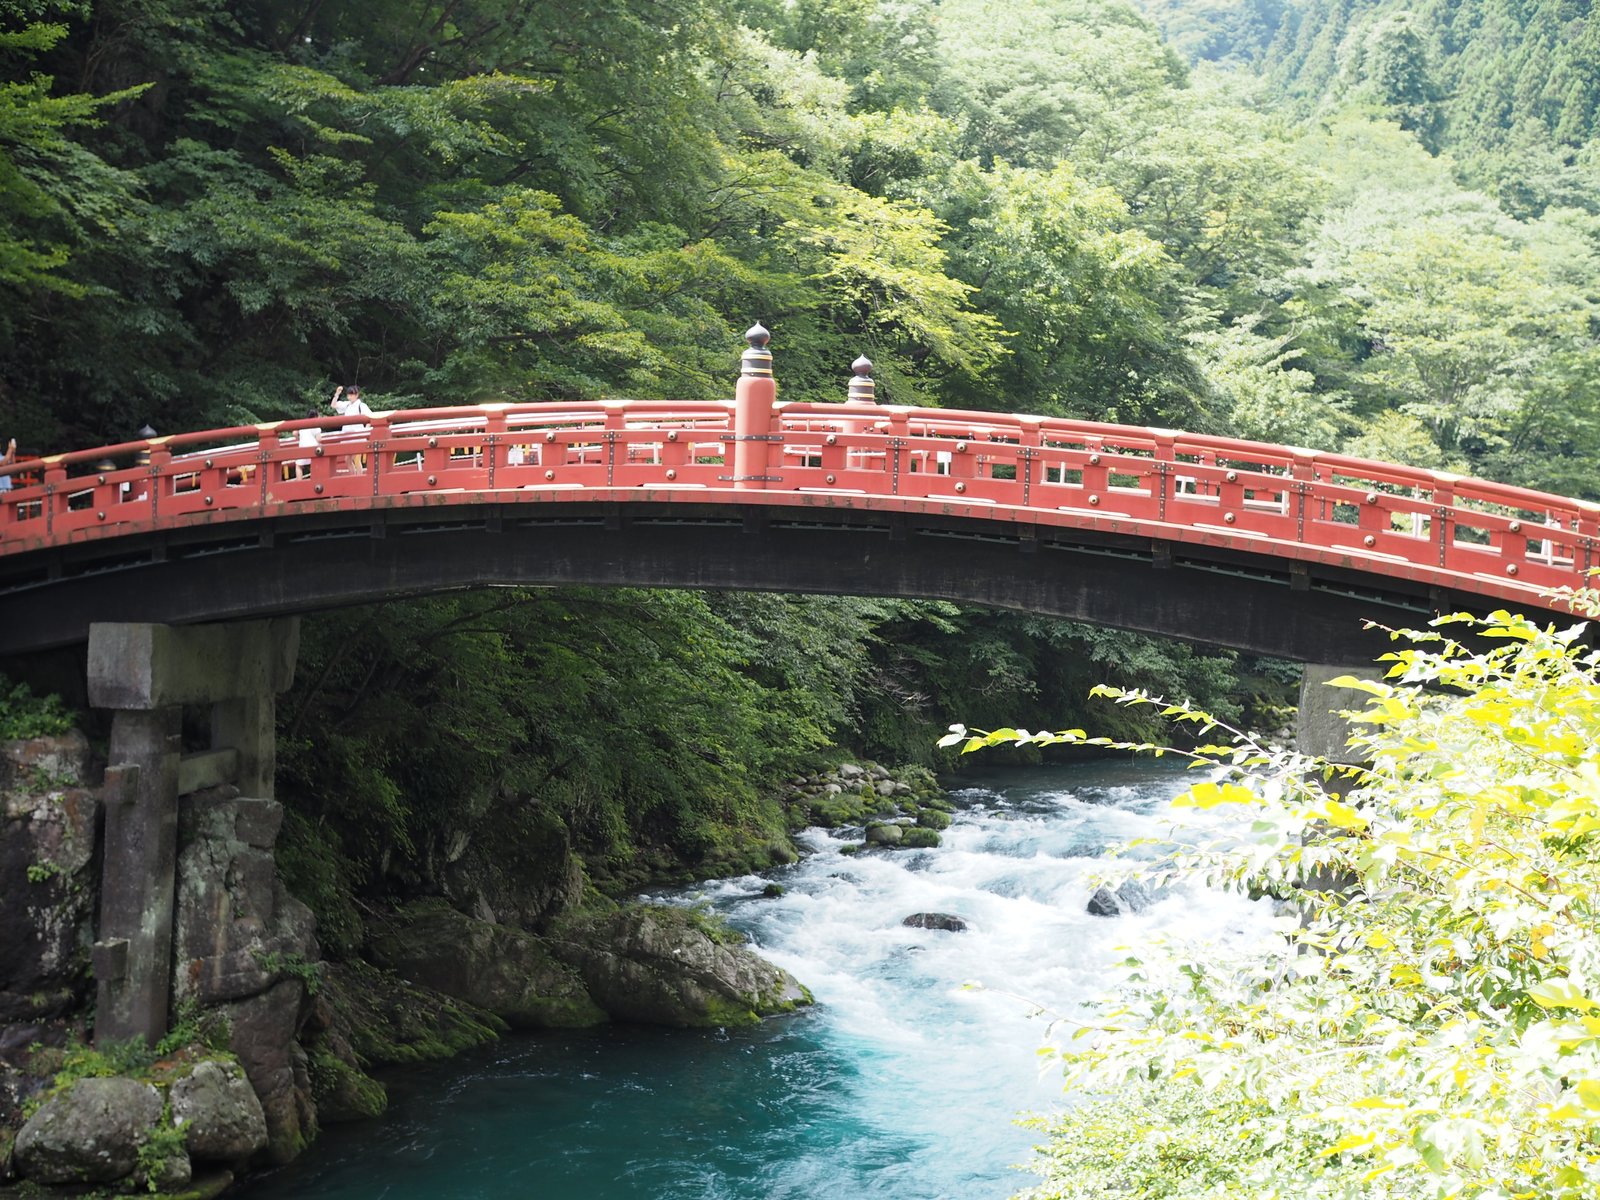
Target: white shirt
356, 407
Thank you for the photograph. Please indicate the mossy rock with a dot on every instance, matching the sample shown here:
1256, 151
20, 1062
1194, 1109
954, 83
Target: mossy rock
933, 818
342, 1092
673, 966
389, 1020
493, 967
915, 837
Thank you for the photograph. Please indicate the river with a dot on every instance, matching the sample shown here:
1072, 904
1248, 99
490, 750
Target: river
901, 1084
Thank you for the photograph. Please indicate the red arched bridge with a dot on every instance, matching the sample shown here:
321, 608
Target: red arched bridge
1228, 542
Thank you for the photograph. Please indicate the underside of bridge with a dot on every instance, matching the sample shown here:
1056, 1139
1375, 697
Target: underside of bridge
247, 569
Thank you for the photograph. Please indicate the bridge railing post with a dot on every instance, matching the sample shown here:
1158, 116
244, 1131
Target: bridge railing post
1444, 499
753, 399
1587, 528
158, 468
496, 436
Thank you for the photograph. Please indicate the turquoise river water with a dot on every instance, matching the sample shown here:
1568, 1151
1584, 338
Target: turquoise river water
903, 1083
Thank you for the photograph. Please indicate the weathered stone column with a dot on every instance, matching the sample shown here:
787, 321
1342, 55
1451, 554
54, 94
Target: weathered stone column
136, 876
1319, 729
147, 673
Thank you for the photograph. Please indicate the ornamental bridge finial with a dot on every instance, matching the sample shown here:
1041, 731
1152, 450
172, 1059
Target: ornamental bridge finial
757, 361
862, 389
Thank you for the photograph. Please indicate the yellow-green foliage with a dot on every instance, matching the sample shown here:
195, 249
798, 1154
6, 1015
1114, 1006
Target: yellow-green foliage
1430, 1029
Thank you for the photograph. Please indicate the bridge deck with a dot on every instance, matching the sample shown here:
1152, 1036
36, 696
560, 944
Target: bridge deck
1018, 475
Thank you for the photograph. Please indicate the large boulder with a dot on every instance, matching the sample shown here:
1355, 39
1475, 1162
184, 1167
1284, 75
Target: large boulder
516, 868
243, 945
262, 1033
665, 966
90, 1132
237, 931
47, 887
373, 1017
221, 1118
506, 971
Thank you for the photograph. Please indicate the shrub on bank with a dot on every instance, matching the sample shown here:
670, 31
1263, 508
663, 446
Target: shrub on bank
1429, 1029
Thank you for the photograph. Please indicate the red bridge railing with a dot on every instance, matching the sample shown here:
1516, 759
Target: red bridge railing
1485, 539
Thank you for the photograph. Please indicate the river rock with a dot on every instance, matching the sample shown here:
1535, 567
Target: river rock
167, 1174
47, 886
665, 966
1130, 896
237, 931
884, 835
377, 1018
221, 1117
932, 920
90, 1132
518, 870
262, 1034
506, 971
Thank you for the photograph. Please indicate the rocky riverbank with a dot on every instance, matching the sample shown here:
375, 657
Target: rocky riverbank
273, 1042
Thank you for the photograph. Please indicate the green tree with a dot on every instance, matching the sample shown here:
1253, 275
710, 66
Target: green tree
1424, 1029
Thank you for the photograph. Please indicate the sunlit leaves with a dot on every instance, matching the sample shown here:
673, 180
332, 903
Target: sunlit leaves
1426, 1022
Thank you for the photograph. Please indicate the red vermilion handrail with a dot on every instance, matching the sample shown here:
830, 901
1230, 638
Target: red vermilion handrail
1482, 538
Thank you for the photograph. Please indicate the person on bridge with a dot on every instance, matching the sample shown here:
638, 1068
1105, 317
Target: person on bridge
347, 402
6, 459
308, 439
350, 405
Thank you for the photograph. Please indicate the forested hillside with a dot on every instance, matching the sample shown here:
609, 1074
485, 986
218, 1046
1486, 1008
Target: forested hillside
1384, 241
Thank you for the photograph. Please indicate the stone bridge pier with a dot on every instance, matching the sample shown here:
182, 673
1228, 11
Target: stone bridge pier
1319, 729
147, 674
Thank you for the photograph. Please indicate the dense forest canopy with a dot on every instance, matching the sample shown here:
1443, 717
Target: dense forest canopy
1382, 240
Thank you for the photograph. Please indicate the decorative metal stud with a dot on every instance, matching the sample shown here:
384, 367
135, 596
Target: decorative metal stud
672, 435
1232, 477
1516, 527
1372, 497
432, 480
318, 489
1228, 518
549, 474
433, 443
1094, 501
1094, 460
833, 439
208, 499
961, 487
1511, 569
829, 478
1369, 540
100, 515
671, 474
961, 447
